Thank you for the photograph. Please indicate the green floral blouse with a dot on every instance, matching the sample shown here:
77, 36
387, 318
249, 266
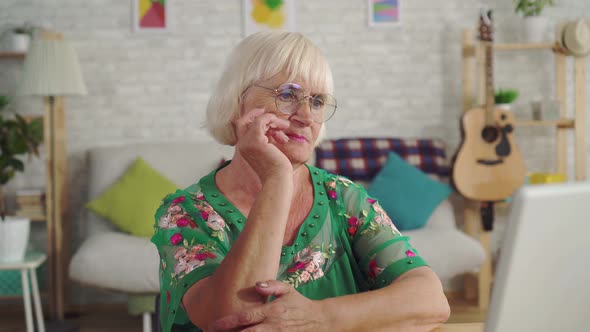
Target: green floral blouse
346, 245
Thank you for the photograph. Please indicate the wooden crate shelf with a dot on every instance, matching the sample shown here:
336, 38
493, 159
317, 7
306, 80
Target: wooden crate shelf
477, 285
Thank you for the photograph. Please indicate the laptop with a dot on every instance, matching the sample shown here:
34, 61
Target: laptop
542, 281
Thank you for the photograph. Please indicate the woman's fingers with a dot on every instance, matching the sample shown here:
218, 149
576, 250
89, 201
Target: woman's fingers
263, 124
278, 135
249, 116
241, 319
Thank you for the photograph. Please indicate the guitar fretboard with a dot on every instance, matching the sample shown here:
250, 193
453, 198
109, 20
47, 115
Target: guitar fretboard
489, 84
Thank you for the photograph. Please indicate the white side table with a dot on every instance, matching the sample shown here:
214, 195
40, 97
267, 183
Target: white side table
29, 264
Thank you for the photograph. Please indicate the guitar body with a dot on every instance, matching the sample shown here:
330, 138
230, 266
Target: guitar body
487, 165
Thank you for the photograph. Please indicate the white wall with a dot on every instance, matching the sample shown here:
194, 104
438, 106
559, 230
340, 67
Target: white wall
403, 81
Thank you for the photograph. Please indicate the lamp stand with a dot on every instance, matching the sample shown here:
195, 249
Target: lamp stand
55, 198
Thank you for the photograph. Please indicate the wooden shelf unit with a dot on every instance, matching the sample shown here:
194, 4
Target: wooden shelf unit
478, 285
58, 235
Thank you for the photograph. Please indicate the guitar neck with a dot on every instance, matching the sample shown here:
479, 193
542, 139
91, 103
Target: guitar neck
489, 71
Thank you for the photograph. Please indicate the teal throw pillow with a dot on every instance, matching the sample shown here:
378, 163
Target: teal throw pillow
407, 194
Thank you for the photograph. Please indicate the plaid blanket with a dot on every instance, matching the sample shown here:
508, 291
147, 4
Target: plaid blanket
360, 159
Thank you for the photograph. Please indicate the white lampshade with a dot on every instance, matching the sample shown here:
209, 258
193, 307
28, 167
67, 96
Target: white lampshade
51, 68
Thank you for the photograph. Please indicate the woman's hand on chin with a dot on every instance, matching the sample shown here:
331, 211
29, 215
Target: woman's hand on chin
290, 311
256, 130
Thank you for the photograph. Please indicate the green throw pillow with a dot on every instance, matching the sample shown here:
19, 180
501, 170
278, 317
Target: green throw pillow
407, 194
132, 201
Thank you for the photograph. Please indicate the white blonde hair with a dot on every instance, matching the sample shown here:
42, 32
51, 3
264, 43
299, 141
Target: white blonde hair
260, 57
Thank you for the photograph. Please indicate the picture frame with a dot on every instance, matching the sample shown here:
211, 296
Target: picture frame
384, 12
150, 15
258, 15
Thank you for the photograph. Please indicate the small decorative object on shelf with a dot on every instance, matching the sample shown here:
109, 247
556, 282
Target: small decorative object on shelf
574, 37
31, 204
542, 178
17, 137
17, 38
504, 98
535, 25
536, 109
546, 109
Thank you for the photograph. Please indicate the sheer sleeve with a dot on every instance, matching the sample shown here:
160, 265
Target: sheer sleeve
192, 240
382, 252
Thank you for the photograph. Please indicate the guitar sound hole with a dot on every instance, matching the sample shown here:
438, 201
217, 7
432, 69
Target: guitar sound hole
490, 134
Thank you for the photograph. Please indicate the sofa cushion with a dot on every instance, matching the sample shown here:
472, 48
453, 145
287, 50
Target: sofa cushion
132, 201
407, 194
182, 162
446, 249
118, 262
448, 252
361, 158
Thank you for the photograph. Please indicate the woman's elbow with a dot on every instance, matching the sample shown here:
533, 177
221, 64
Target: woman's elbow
439, 309
443, 309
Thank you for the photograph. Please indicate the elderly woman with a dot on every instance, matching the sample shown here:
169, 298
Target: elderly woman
266, 242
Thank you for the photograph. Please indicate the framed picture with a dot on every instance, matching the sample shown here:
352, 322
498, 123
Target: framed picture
384, 12
267, 15
150, 15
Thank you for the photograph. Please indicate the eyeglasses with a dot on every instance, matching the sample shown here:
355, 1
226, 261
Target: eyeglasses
290, 96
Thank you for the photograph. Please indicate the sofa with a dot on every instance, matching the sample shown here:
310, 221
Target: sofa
112, 260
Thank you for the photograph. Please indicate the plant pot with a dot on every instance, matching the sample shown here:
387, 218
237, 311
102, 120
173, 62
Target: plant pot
18, 42
536, 29
14, 238
506, 107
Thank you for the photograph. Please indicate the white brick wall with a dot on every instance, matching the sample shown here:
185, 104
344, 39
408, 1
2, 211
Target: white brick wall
403, 81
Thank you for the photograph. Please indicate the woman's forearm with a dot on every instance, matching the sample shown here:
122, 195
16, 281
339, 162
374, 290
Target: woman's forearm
414, 302
255, 256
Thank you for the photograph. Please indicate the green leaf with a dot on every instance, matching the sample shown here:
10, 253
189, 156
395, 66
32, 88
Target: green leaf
16, 164
4, 101
505, 96
273, 4
6, 176
17, 137
531, 7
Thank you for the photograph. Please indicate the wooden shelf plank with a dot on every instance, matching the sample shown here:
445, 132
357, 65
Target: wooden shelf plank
524, 46
13, 55
469, 49
562, 123
38, 219
35, 218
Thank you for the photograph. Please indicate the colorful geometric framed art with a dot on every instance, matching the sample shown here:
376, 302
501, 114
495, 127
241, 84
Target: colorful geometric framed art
384, 12
268, 15
150, 15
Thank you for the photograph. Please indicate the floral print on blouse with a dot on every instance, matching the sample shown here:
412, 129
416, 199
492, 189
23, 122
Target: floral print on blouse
347, 244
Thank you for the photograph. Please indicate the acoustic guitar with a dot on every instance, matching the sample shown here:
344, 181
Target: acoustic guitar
488, 166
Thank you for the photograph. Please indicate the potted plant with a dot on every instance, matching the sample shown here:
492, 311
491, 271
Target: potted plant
504, 98
18, 137
19, 38
535, 24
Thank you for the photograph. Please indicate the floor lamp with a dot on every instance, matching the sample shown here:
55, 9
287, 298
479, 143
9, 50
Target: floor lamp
51, 70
